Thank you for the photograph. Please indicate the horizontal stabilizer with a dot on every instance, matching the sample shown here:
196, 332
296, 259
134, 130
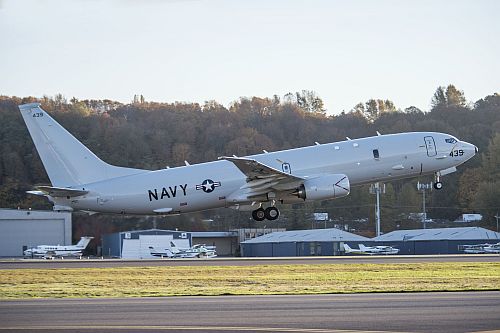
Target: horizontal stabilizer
58, 191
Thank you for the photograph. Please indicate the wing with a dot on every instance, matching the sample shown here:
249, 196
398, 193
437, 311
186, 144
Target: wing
58, 191
261, 179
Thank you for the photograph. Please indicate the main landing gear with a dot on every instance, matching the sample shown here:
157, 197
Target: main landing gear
270, 213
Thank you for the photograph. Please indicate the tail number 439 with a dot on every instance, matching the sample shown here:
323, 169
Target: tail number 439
456, 153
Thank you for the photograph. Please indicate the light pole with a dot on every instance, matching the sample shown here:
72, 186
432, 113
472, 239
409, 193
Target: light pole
423, 188
497, 217
376, 189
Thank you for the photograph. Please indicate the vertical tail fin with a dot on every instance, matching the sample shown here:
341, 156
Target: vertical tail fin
84, 241
347, 248
67, 161
362, 247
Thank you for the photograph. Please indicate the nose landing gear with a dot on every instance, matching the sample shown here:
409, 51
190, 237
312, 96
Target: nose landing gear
437, 182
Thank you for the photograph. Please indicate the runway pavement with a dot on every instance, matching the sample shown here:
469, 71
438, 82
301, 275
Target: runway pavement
411, 312
82, 263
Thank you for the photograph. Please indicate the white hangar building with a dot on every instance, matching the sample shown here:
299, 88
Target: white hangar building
136, 244
21, 229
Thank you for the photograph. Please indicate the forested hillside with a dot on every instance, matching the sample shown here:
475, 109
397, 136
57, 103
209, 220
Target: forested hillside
155, 135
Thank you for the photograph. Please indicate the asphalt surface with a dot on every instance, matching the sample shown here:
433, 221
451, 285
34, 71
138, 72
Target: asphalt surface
411, 312
83, 263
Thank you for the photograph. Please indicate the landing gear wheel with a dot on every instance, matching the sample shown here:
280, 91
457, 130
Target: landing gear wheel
438, 185
272, 213
259, 214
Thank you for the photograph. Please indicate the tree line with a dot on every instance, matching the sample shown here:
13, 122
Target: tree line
153, 135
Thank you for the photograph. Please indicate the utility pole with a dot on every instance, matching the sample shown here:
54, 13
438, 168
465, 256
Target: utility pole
497, 217
423, 188
376, 189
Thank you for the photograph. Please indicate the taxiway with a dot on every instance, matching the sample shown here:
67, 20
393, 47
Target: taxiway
83, 263
410, 312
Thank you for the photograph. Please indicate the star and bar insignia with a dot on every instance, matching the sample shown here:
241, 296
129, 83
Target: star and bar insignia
208, 185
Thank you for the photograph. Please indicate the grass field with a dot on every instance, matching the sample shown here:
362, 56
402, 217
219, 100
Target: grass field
248, 280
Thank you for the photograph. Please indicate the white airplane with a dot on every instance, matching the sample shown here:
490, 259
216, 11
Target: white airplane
371, 249
482, 248
196, 251
50, 251
492, 248
165, 253
82, 181
473, 249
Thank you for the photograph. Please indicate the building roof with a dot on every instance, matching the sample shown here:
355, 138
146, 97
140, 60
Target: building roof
465, 233
149, 231
213, 234
23, 214
314, 235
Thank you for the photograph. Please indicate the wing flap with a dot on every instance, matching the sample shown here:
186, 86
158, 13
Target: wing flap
261, 179
58, 191
256, 170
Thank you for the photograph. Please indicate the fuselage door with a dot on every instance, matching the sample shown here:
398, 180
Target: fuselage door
430, 145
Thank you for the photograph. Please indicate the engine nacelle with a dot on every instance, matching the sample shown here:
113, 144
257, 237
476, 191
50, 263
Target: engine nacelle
324, 187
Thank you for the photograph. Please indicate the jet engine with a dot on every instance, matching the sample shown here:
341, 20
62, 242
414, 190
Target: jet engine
324, 187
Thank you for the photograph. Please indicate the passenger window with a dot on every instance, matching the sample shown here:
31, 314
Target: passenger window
376, 154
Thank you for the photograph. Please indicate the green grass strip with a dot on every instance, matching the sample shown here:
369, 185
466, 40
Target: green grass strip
247, 280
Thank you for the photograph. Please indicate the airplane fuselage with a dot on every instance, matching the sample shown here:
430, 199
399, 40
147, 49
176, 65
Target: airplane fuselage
58, 251
213, 184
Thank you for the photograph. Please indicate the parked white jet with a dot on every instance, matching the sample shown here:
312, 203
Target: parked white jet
371, 249
48, 251
82, 181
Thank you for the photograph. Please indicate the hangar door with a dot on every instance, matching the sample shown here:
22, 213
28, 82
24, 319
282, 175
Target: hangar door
139, 248
14, 234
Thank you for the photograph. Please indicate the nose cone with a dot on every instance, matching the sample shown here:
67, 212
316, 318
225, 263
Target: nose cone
469, 149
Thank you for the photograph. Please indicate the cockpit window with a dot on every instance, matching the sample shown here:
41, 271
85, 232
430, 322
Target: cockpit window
451, 140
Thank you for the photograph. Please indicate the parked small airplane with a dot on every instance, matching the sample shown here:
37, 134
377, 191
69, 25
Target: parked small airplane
82, 181
492, 248
164, 253
50, 251
481, 248
196, 251
371, 249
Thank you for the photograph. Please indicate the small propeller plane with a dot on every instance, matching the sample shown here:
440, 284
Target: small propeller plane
82, 181
196, 251
371, 249
51, 251
481, 248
